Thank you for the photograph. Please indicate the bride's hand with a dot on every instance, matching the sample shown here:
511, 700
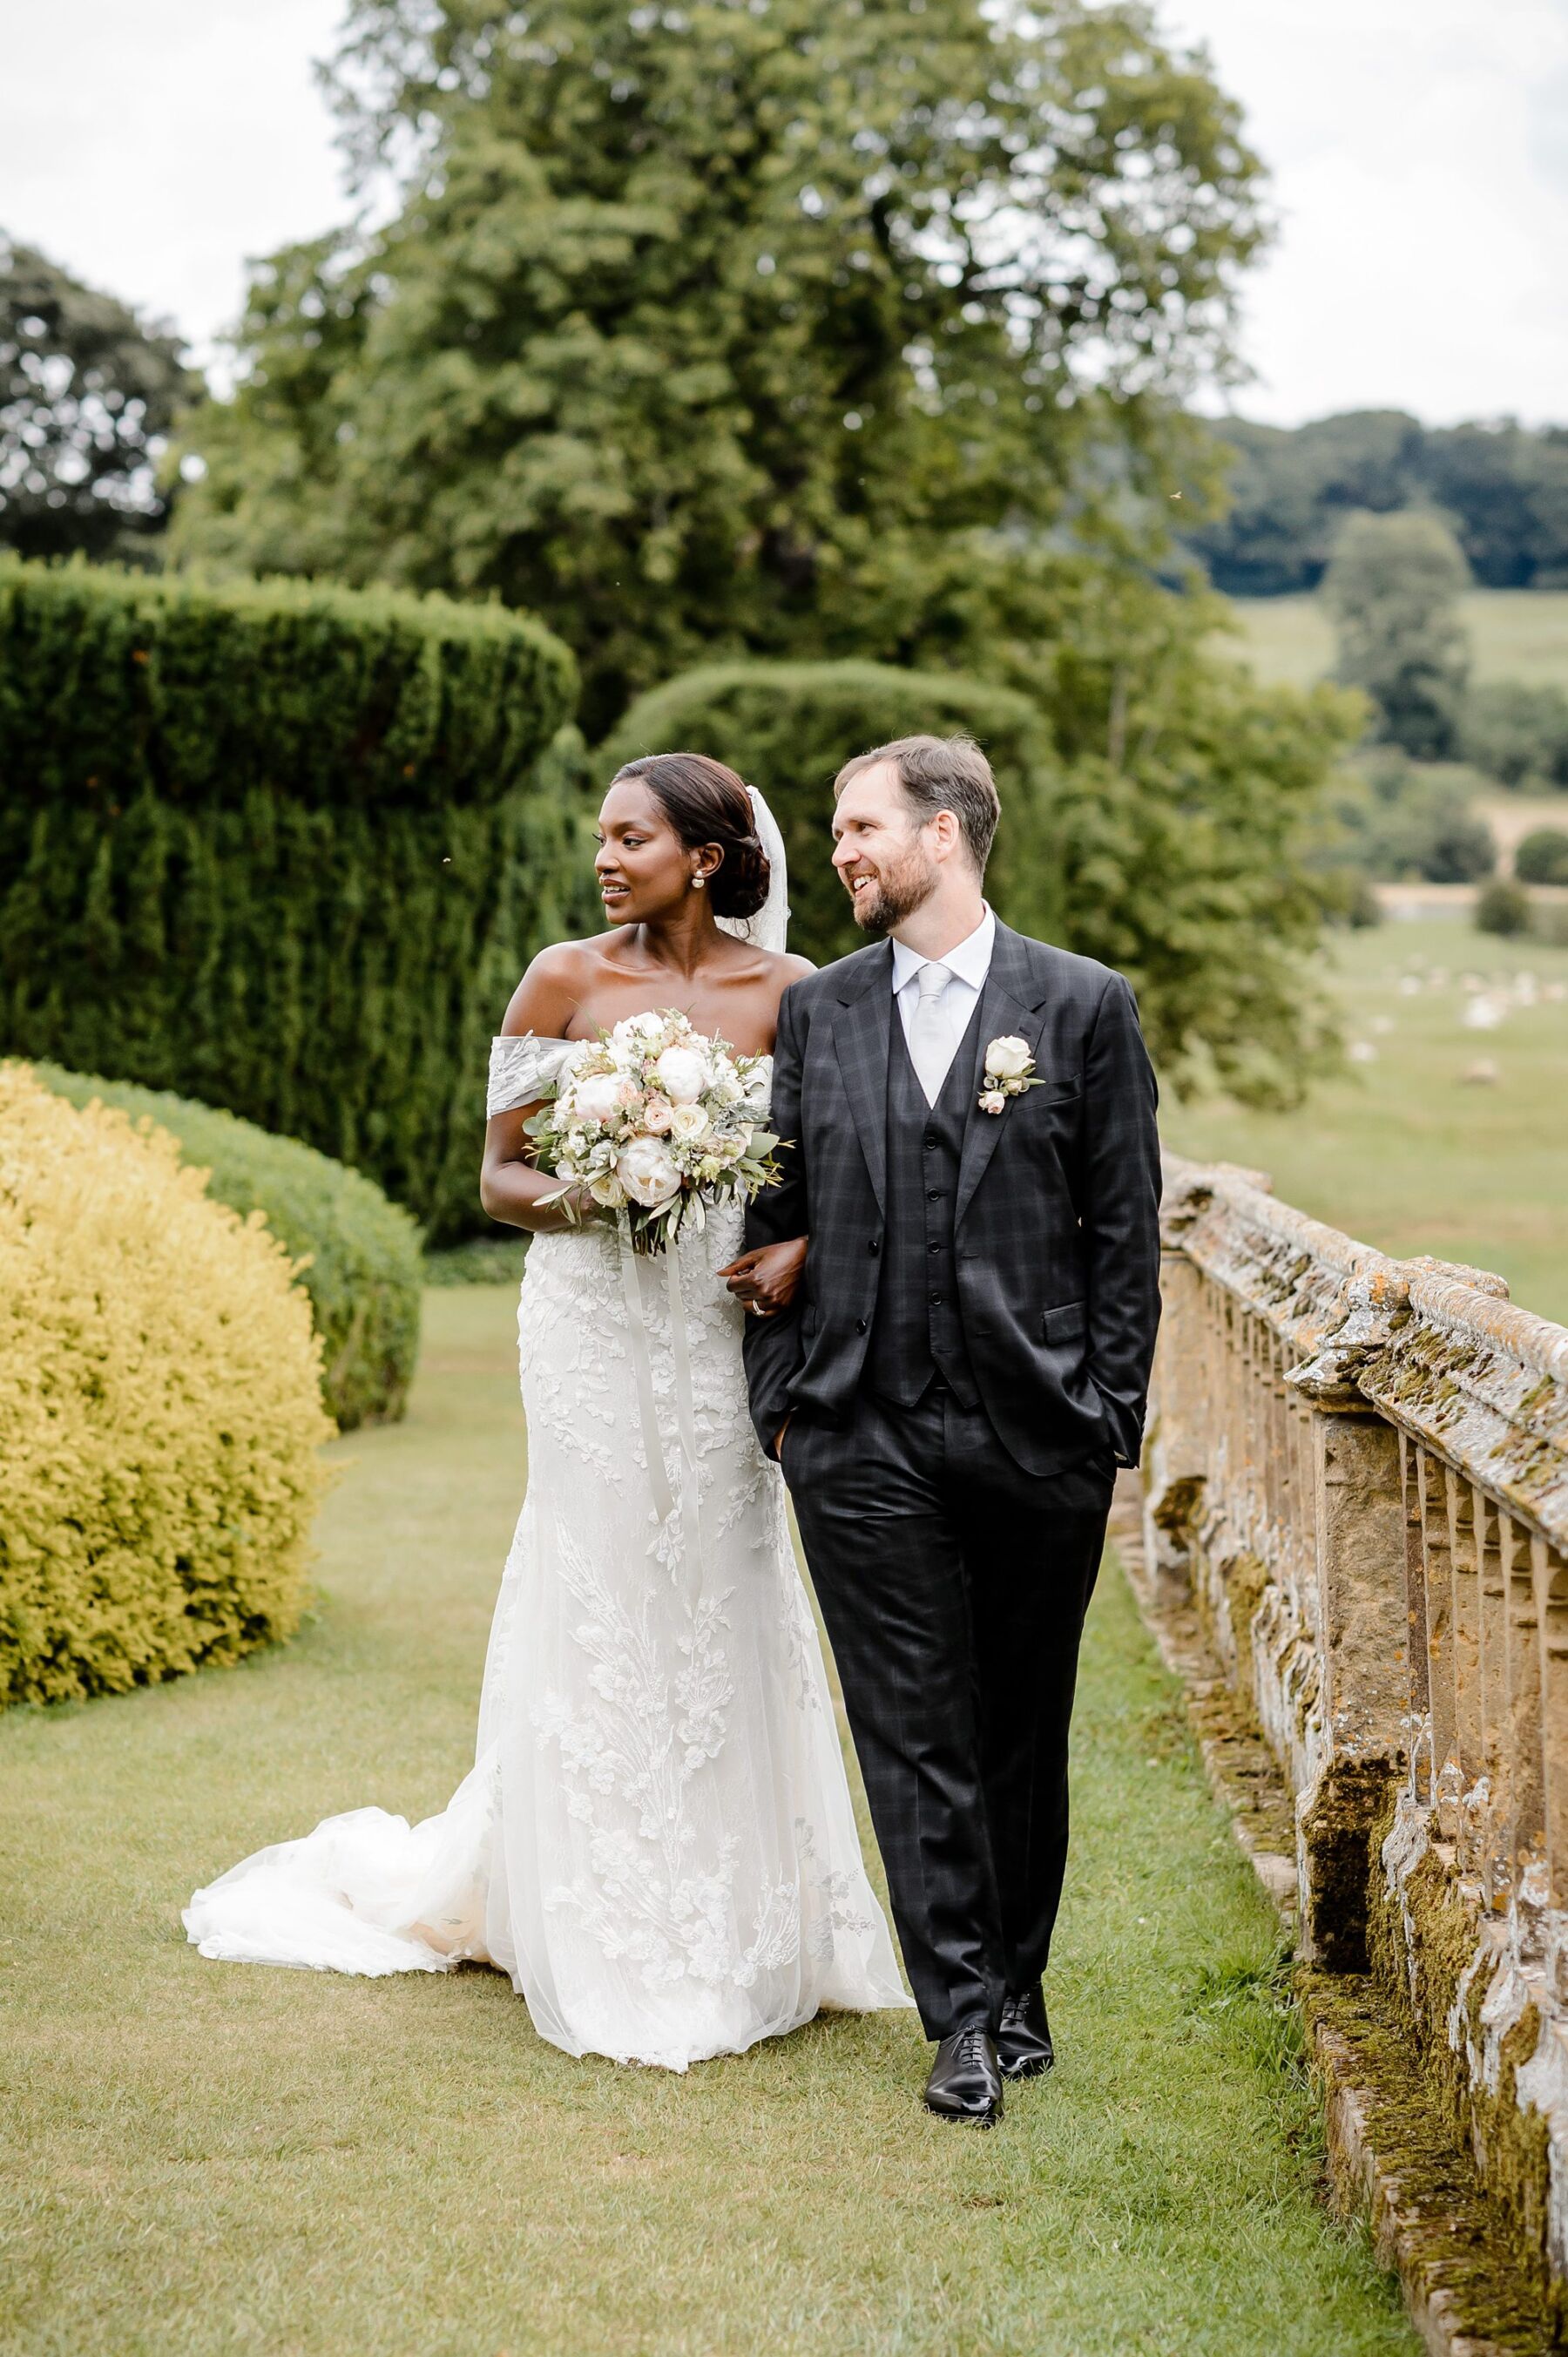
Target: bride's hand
768, 1277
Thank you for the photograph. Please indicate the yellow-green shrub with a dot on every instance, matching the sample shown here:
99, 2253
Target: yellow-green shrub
160, 1409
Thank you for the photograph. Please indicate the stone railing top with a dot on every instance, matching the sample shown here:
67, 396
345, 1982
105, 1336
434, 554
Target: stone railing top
1435, 1348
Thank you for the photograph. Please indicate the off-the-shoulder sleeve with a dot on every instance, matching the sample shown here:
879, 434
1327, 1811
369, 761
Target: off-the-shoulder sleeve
521, 1069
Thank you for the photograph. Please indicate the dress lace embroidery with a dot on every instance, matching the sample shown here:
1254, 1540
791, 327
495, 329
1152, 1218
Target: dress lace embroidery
656, 1841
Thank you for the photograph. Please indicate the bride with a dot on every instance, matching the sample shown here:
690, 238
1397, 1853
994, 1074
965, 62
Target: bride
656, 1841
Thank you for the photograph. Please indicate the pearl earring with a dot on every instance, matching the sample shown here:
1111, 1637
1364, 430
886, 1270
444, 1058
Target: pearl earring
698, 882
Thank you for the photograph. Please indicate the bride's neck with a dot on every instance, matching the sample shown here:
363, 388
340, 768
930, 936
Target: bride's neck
685, 940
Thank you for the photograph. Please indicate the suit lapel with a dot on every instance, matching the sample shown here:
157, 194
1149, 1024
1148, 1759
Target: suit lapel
861, 1033
1012, 1001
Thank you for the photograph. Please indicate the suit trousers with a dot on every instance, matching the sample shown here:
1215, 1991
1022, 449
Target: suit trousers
953, 1587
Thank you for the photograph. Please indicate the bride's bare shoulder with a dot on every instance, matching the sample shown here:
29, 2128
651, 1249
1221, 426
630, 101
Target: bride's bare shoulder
785, 967
553, 988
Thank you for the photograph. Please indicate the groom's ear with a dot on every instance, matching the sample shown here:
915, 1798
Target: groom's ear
945, 834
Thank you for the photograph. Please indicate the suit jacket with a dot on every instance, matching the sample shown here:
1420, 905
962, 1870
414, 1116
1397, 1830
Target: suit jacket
1057, 1240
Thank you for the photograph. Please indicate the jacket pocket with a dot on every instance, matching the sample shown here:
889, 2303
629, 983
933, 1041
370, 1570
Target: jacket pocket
1066, 1324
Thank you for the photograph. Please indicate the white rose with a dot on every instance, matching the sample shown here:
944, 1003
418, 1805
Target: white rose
608, 1191
657, 1115
596, 1098
688, 1123
1007, 1059
646, 1168
682, 1074
992, 1101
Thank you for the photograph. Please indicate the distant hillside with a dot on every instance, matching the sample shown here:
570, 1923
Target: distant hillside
1504, 488
1514, 635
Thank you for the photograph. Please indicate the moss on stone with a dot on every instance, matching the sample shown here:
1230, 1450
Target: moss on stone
1420, 1974
1351, 1798
1441, 2225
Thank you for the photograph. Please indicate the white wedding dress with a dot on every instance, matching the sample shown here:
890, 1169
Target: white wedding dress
656, 1841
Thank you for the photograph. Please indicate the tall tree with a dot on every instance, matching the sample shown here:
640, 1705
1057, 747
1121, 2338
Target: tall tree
89, 393
1393, 588
707, 326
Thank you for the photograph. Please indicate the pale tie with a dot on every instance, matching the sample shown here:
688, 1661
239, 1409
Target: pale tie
931, 1042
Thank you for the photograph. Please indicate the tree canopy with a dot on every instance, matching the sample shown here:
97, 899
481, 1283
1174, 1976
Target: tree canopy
1393, 588
710, 329
1504, 487
88, 395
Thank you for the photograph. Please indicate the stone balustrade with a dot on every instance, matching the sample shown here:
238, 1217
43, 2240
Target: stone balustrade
1357, 1468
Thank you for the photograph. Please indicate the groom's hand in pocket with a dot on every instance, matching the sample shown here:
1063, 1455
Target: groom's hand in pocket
766, 1280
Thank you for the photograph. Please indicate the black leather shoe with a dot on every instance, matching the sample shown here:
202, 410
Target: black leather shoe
965, 2084
1024, 2049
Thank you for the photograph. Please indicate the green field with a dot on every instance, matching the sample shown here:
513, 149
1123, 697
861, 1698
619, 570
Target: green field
220, 2158
1514, 633
1402, 1150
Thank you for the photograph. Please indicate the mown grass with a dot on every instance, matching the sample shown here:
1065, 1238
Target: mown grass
211, 2158
1514, 634
1403, 1151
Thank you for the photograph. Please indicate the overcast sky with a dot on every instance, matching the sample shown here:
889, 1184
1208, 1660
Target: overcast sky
1419, 147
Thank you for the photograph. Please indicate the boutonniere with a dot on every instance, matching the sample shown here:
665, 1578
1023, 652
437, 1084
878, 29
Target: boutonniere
1008, 1072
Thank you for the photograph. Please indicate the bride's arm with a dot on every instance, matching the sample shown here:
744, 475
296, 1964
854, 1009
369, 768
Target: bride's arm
510, 1189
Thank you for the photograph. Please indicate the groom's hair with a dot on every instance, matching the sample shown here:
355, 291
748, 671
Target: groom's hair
940, 773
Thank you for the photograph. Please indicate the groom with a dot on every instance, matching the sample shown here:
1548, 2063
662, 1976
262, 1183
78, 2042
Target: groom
961, 1374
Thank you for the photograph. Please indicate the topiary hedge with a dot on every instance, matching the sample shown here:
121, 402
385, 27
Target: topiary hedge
788, 728
281, 847
160, 1410
363, 1268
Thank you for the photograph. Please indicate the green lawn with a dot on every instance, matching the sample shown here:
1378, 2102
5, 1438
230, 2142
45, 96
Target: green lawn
1514, 633
214, 2159
1402, 1151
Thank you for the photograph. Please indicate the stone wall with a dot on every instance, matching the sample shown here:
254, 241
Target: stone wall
1357, 1470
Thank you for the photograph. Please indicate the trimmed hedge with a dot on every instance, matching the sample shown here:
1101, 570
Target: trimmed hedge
281, 847
160, 1410
363, 1268
788, 729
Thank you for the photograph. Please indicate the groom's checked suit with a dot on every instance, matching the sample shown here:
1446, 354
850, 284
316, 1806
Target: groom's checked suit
962, 1370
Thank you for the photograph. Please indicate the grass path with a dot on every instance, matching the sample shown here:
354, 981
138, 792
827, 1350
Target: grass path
210, 2159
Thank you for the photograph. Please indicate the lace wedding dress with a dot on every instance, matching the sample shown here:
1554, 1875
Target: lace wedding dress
656, 1840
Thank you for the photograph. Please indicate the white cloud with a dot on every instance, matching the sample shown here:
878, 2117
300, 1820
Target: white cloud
151, 147
1419, 155
1419, 152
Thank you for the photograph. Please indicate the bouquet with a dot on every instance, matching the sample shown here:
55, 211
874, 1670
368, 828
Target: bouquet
656, 1120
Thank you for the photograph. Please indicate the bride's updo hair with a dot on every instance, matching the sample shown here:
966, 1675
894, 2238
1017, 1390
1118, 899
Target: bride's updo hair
706, 803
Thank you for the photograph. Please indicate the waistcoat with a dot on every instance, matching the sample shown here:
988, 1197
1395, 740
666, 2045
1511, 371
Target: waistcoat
917, 1333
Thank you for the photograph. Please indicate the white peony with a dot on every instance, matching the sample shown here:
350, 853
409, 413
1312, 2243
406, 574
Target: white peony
596, 1098
688, 1123
682, 1074
646, 1168
1007, 1059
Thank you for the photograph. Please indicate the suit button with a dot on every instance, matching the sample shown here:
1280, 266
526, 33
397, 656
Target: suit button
860, 1325
936, 1301
933, 1248
875, 1246
933, 1194
930, 1141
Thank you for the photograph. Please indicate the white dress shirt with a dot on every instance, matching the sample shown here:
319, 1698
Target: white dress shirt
968, 964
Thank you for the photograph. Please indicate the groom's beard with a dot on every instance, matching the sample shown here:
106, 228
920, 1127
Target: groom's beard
895, 891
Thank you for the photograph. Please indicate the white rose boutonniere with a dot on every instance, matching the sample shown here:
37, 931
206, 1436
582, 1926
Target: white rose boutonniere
1009, 1068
